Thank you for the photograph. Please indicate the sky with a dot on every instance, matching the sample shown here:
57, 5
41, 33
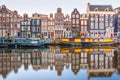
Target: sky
50, 6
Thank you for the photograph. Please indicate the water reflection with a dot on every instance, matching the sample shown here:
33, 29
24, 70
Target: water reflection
97, 61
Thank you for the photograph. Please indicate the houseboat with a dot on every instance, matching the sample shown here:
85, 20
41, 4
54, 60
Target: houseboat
31, 42
22, 42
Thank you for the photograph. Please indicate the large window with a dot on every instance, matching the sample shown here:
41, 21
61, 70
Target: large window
22, 28
96, 25
35, 22
73, 21
101, 25
77, 21
106, 20
28, 28
25, 23
38, 22
73, 16
33, 29
82, 28
77, 16
28, 23
85, 22
42, 23
82, 22
111, 20
92, 25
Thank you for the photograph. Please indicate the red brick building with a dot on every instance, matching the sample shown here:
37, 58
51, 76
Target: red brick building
84, 25
67, 26
51, 27
59, 23
9, 22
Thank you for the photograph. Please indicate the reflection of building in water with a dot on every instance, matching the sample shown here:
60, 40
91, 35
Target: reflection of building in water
59, 62
98, 62
67, 60
44, 59
36, 59
5, 63
51, 59
118, 60
101, 63
26, 58
9, 61
79, 60
84, 59
75, 62
15, 61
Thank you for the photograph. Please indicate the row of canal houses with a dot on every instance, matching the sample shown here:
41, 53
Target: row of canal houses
99, 21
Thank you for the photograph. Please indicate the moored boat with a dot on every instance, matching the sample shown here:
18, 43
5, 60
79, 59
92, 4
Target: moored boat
22, 42
33, 42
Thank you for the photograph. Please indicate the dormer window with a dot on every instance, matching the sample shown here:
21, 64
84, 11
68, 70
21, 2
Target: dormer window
96, 9
107, 9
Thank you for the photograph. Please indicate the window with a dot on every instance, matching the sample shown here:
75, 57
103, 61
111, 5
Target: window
77, 21
96, 9
73, 21
45, 23
85, 22
45, 33
34, 22
101, 25
15, 25
25, 22
96, 25
81, 28
28, 28
107, 9
92, 25
77, 16
81, 22
111, 20
106, 20
96, 18
38, 29
73, 16
22, 28
38, 22
33, 29
42, 24
28, 23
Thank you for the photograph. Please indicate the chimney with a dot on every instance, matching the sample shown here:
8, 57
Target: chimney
88, 4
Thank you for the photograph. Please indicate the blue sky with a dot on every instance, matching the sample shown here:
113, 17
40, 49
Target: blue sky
50, 6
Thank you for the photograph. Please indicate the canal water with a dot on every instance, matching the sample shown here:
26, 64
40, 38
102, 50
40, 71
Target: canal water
60, 63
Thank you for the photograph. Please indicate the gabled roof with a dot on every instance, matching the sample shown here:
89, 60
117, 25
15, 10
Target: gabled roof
75, 11
100, 7
12, 12
9, 11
